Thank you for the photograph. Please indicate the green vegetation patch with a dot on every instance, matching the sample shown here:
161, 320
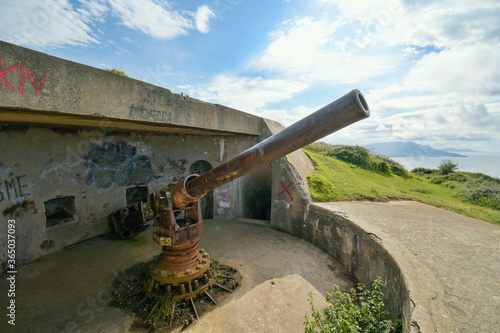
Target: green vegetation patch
352, 173
116, 71
361, 311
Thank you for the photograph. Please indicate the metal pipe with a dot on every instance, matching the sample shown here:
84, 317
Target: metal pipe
343, 112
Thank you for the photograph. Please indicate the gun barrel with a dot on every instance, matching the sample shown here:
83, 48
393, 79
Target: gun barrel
343, 112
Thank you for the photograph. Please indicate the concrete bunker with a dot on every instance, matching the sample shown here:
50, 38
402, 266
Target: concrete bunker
144, 139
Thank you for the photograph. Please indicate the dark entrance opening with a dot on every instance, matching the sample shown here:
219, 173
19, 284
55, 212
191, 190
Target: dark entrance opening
207, 202
255, 195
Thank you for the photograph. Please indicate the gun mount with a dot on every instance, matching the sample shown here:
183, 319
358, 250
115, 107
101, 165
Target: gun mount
182, 266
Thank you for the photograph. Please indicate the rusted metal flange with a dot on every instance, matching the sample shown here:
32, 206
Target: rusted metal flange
180, 284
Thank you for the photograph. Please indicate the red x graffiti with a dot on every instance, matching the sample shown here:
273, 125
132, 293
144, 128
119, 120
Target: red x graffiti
286, 190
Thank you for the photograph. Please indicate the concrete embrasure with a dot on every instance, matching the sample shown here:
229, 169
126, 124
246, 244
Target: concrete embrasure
450, 261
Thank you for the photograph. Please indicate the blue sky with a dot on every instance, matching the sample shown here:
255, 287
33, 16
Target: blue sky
430, 70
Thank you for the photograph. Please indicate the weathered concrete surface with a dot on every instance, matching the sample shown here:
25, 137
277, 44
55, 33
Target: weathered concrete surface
97, 170
273, 306
67, 291
450, 261
51, 91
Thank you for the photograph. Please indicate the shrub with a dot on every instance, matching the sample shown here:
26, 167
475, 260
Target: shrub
482, 193
482, 176
457, 177
116, 71
399, 170
352, 154
362, 311
438, 180
421, 189
320, 147
448, 166
423, 170
381, 167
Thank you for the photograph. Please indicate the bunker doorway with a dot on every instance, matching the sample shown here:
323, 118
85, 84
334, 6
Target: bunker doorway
255, 195
207, 202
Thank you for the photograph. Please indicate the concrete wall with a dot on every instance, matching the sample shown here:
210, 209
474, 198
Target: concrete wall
39, 165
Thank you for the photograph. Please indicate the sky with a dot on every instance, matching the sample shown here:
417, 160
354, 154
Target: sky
429, 70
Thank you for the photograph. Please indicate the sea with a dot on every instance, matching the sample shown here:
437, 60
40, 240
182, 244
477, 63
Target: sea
487, 163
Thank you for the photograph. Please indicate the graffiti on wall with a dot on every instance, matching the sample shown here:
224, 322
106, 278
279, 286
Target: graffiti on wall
286, 190
36, 83
13, 188
116, 164
17, 209
223, 196
179, 166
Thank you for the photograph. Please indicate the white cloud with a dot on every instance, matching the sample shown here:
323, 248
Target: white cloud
446, 95
460, 69
450, 93
310, 49
152, 17
51, 23
93, 10
366, 8
411, 50
286, 117
55, 23
246, 93
159, 20
444, 24
202, 17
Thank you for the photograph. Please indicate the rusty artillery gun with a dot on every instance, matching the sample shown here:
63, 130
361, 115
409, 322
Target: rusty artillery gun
182, 266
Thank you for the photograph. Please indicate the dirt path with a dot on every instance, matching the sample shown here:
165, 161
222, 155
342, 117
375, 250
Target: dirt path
463, 253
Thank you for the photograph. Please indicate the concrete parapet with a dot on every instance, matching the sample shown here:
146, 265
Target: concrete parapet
40, 89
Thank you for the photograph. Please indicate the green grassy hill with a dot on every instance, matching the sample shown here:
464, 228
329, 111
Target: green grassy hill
352, 173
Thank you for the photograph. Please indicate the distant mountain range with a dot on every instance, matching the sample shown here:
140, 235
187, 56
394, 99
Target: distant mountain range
405, 149
455, 150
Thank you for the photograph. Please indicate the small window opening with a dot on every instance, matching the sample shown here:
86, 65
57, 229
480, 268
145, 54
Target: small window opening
59, 210
136, 194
